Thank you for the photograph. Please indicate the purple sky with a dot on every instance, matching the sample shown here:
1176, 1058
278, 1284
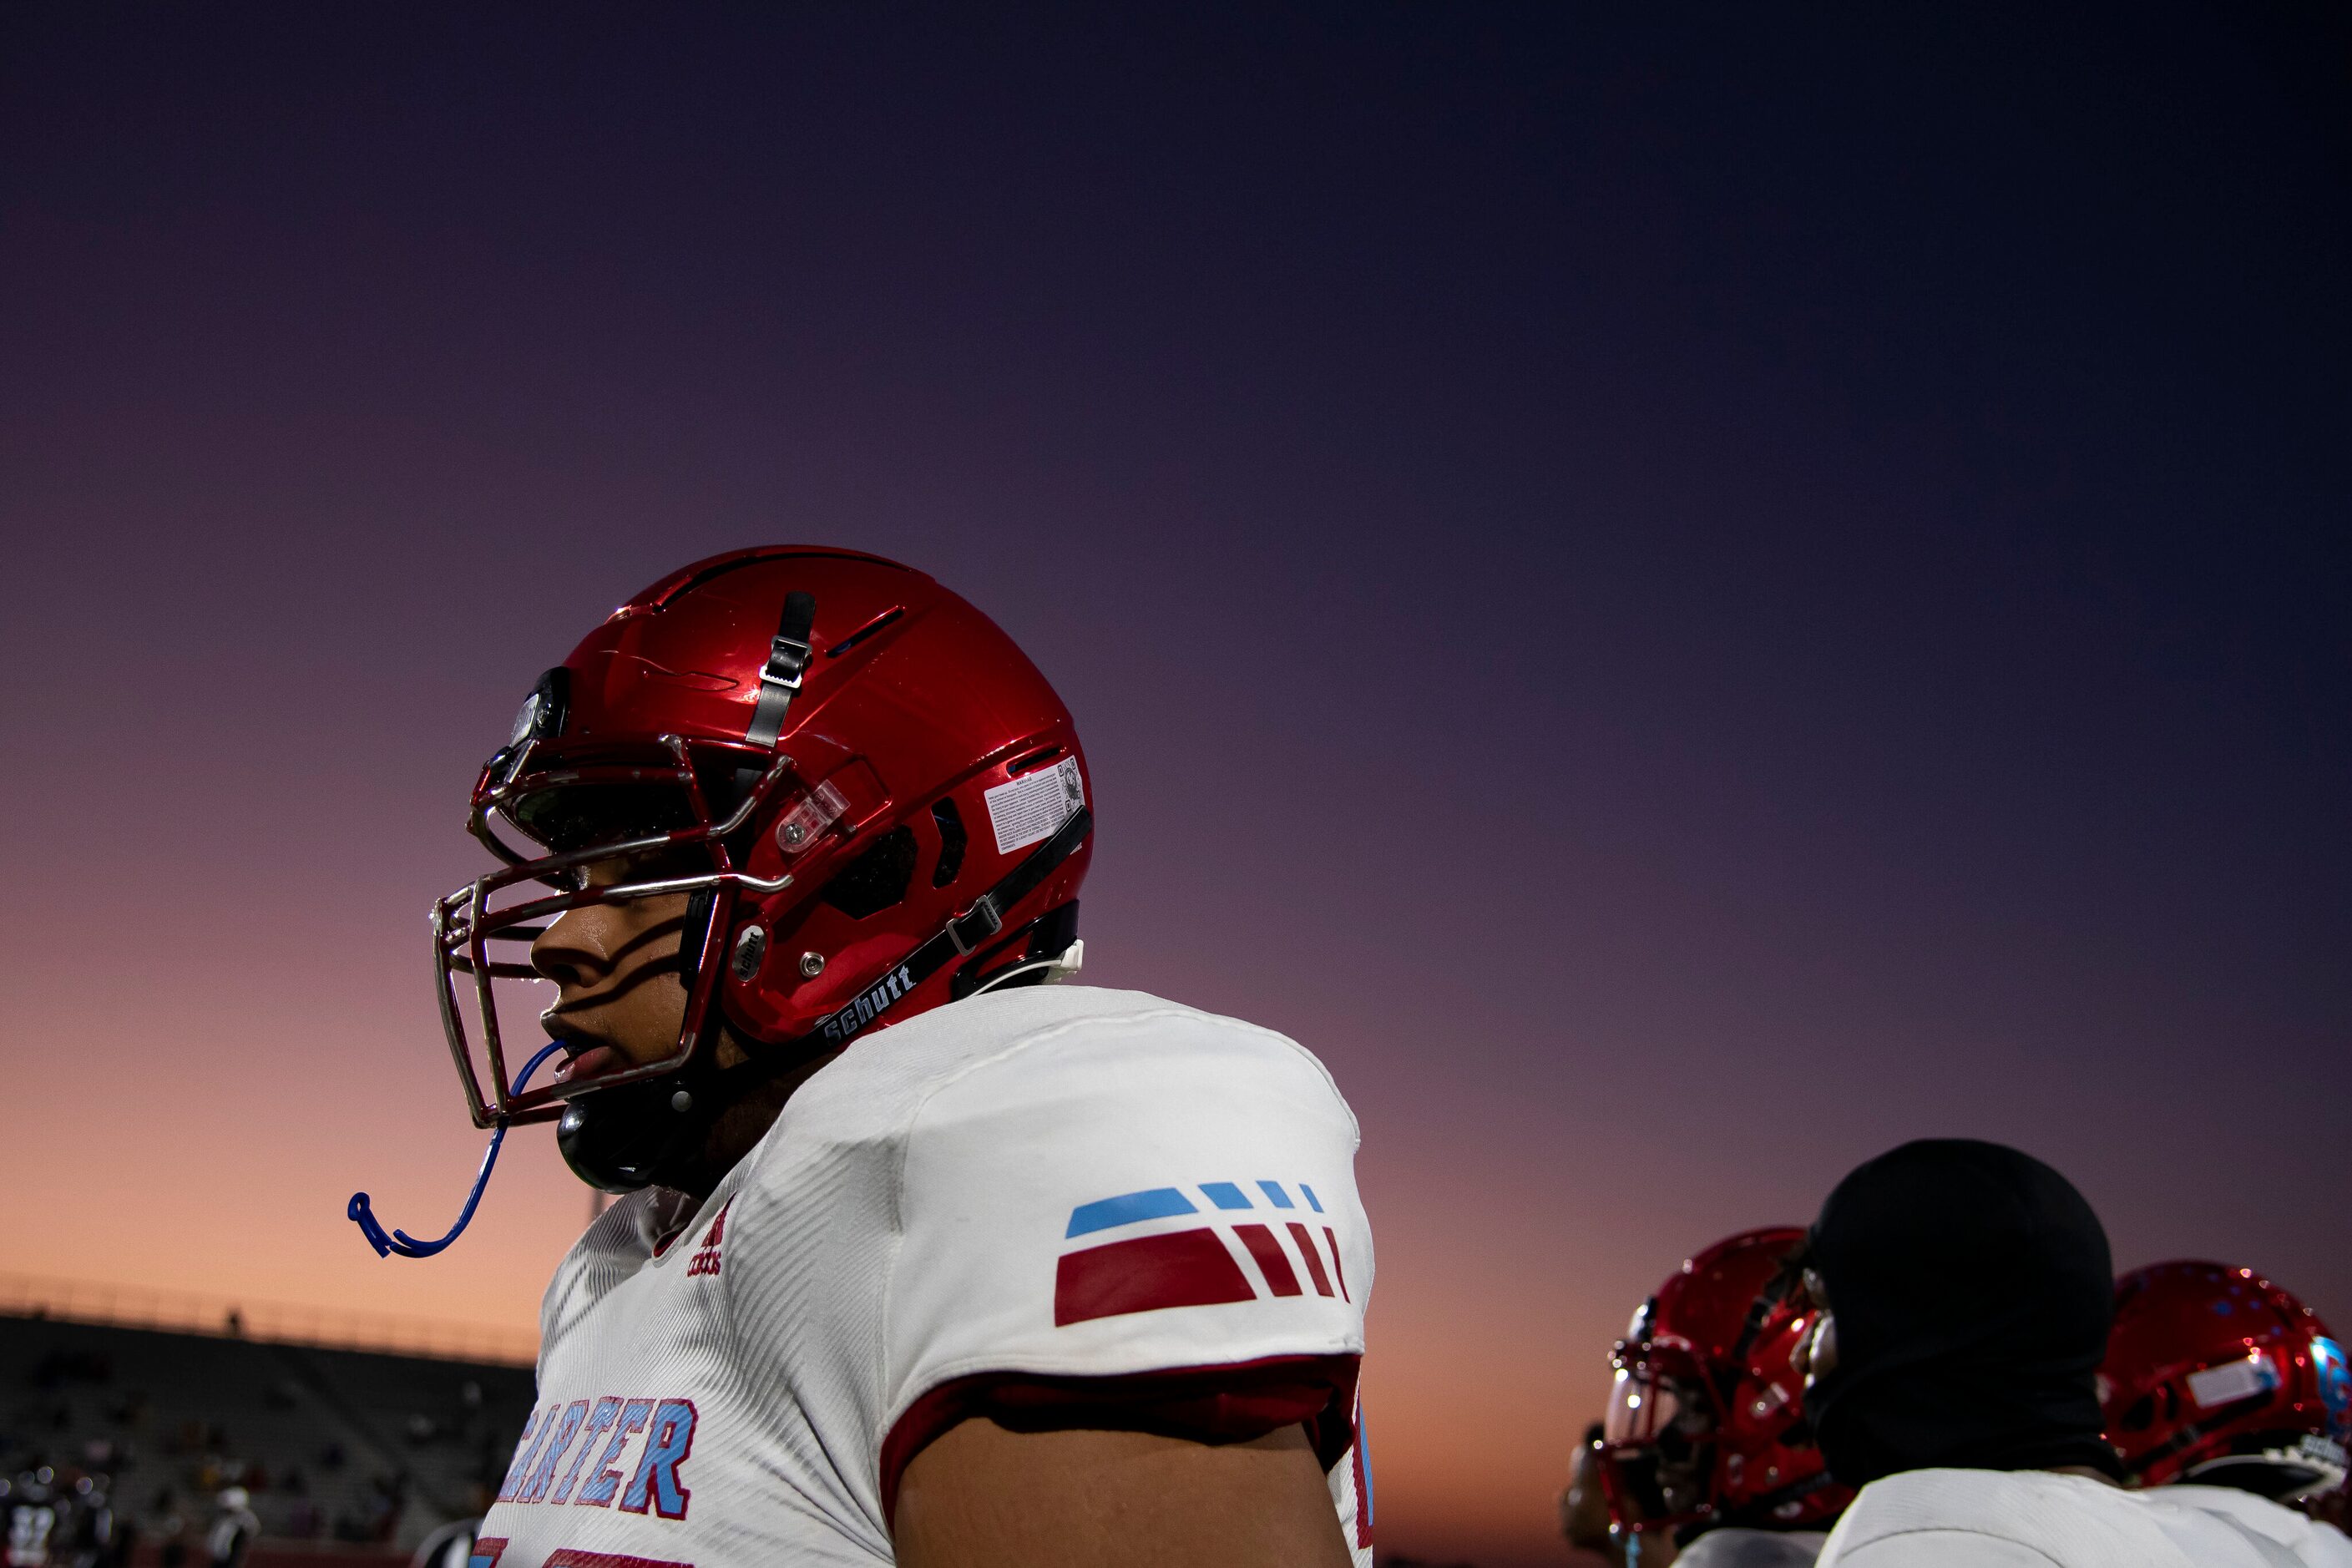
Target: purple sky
1682, 600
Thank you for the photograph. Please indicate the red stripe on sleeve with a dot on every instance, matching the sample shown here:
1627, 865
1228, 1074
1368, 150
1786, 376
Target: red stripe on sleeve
1337, 1271
1314, 1258
1183, 1268
1279, 1275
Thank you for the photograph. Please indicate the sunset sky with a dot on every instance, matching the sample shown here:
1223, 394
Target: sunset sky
1681, 598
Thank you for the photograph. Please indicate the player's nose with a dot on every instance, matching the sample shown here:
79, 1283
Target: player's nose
575, 951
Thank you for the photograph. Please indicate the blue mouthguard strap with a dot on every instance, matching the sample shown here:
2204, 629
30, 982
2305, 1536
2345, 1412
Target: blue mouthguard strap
407, 1245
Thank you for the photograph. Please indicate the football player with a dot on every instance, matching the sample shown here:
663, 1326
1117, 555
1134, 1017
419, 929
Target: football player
1952, 1376
1705, 1450
916, 1261
2217, 1377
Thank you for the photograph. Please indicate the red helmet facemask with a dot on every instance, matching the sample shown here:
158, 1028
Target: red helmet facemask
872, 800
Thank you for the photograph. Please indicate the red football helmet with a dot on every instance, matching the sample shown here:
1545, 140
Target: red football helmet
2215, 1374
1706, 1423
875, 801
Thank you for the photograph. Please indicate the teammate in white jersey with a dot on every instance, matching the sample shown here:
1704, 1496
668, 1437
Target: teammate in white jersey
1980, 1518
1953, 1377
915, 1263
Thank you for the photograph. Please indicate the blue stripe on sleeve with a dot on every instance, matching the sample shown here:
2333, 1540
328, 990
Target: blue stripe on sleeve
1273, 1190
1312, 1201
1104, 1214
1226, 1195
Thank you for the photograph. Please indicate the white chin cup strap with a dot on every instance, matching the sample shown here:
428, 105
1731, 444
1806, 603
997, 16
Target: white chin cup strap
1063, 965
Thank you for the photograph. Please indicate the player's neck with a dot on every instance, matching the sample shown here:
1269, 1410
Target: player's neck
737, 1130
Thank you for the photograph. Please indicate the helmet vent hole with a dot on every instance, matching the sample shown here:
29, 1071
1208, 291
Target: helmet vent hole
1037, 759
876, 880
952, 839
862, 633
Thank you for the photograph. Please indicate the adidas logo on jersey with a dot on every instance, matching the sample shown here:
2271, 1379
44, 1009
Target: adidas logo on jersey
705, 1257
1199, 1265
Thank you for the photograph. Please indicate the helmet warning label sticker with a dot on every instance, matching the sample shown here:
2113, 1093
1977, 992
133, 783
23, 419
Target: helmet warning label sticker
2233, 1381
1031, 808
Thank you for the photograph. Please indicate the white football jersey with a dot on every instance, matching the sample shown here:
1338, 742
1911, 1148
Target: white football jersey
1055, 1182
1735, 1547
2033, 1518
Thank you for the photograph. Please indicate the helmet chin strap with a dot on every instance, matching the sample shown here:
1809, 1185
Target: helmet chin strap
632, 1135
1050, 971
624, 1138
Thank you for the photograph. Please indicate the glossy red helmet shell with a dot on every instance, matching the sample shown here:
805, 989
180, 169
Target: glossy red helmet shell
1769, 1470
1706, 1423
2214, 1373
877, 815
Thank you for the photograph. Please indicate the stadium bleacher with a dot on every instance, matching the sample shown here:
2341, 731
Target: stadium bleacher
345, 1455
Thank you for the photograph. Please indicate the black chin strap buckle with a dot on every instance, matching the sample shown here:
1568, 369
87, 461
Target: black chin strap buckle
787, 659
975, 925
779, 679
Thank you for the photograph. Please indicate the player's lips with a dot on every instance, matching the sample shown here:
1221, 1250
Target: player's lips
588, 1060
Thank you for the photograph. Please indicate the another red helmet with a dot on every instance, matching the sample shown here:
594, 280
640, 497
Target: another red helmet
1706, 1423
874, 799
2215, 1374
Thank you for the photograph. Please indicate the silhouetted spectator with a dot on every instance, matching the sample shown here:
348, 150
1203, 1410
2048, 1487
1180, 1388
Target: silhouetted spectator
89, 1535
124, 1543
233, 1531
451, 1546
